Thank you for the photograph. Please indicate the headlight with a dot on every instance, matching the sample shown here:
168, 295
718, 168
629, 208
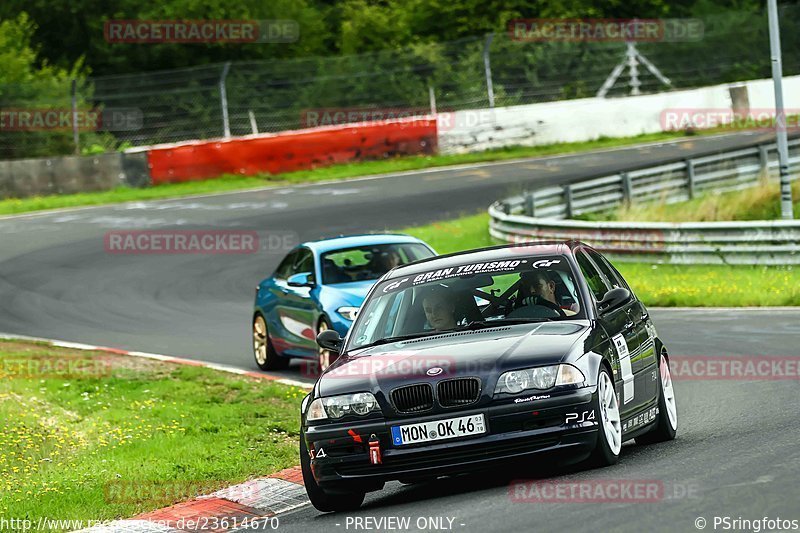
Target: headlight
349, 313
541, 378
361, 403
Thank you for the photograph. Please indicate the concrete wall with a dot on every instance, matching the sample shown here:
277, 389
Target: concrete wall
64, 175
590, 118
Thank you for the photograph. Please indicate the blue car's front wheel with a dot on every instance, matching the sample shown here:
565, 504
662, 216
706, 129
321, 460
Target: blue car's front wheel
324, 357
264, 352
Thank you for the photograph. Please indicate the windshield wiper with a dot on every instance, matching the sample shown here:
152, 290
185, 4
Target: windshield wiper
398, 338
481, 324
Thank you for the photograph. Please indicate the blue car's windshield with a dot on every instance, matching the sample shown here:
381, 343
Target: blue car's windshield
515, 289
368, 262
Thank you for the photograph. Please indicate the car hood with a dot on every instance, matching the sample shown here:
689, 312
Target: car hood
352, 293
483, 353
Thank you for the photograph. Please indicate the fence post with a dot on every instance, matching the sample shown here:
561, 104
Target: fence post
487, 66
74, 96
690, 181
530, 204
432, 100
763, 157
253, 124
627, 188
223, 96
568, 199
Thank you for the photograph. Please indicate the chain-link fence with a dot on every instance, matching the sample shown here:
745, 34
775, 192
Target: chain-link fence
241, 98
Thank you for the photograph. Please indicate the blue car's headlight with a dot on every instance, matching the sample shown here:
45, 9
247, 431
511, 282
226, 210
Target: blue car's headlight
349, 313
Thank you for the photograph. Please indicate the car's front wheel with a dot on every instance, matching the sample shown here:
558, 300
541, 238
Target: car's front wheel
266, 356
667, 422
609, 436
325, 501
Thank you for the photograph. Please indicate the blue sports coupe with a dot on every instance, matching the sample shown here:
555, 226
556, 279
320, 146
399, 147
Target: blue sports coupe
318, 286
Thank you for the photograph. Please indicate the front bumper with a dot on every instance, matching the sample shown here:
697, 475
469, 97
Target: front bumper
514, 432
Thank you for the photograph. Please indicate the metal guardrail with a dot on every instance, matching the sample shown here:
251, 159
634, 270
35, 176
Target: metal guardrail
545, 213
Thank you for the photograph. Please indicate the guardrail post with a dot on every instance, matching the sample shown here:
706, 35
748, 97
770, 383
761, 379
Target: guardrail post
627, 188
568, 199
690, 181
763, 157
530, 204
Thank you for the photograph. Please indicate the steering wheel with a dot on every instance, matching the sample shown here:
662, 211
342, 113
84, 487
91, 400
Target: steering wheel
551, 305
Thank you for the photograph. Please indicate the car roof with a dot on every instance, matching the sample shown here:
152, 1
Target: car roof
352, 241
487, 254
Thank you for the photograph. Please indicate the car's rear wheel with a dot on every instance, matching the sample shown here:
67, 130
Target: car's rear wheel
325, 501
265, 354
325, 357
667, 422
609, 436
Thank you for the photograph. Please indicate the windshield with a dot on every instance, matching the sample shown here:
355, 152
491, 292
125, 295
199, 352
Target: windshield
469, 295
368, 262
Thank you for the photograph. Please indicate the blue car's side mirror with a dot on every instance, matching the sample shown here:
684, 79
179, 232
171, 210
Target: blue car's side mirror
303, 279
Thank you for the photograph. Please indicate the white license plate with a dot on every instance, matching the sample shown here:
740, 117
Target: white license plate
438, 430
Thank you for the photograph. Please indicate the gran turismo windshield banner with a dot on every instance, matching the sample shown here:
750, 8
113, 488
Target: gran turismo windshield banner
503, 266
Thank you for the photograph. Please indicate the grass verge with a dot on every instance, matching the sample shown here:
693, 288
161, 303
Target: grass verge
761, 202
336, 172
654, 284
92, 436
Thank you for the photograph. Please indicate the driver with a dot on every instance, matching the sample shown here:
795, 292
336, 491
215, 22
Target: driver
440, 310
385, 261
537, 286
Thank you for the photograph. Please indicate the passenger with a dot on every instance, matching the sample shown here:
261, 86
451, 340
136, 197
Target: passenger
440, 309
537, 286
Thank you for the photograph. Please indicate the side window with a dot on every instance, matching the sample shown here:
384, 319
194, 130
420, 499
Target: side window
284, 269
614, 277
304, 262
597, 284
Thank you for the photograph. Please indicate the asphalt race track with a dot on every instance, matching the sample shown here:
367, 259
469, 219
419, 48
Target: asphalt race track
737, 450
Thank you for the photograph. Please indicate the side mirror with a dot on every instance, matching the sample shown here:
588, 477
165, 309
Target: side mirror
613, 299
330, 340
303, 279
